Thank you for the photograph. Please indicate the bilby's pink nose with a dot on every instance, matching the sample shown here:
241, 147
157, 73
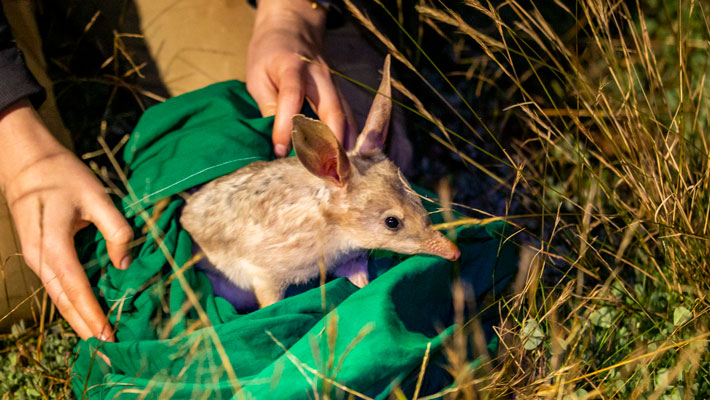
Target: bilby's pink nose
456, 253
441, 246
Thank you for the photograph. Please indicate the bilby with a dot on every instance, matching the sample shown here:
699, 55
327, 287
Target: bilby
270, 224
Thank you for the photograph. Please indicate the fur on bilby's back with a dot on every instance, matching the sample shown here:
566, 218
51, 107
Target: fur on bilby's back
270, 224
266, 211
265, 215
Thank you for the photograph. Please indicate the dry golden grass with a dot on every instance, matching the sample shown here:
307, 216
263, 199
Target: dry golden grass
610, 300
614, 171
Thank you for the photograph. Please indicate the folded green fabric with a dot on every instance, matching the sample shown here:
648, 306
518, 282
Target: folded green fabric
176, 339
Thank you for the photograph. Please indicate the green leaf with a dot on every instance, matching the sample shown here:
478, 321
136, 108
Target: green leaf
562, 343
681, 315
603, 317
531, 336
675, 395
617, 290
639, 290
578, 394
662, 378
619, 385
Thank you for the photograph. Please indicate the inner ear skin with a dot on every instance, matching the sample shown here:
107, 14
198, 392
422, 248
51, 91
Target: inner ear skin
329, 169
374, 133
319, 151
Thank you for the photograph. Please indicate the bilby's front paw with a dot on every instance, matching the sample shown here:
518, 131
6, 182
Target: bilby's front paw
267, 292
354, 268
359, 279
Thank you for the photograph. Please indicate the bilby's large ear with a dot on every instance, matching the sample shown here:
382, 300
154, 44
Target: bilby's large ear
374, 133
319, 151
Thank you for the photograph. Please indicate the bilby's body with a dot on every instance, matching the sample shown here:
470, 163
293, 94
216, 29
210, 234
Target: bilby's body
270, 224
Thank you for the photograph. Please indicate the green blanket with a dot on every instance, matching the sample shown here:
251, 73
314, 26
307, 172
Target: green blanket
176, 339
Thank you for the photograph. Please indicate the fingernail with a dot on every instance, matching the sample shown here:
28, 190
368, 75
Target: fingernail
104, 357
126, 262
280, 150
106, 337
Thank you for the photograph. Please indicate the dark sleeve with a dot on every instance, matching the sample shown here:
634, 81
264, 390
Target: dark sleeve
16, 81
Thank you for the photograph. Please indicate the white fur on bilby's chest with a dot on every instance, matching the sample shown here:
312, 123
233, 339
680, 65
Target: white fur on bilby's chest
270, 224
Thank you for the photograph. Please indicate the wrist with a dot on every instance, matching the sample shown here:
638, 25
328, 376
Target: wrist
333, 8
292, 12
24, 140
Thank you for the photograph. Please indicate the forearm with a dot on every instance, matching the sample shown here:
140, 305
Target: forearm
24, 139
16, 81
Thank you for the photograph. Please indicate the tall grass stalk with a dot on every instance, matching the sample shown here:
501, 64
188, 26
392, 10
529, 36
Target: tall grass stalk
612, 170
614, 162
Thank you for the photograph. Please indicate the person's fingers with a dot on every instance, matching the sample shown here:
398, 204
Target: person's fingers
62, 260
324, 97
114, 228
65, 307
351, 129
264, 93
37, 260
43, 262
290, 101
331, 106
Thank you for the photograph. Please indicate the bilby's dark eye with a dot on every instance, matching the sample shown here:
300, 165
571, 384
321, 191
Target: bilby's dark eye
392, 223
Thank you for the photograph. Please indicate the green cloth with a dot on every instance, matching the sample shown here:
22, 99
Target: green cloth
165, 347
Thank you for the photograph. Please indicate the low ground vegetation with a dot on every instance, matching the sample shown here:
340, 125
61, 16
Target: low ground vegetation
584, 125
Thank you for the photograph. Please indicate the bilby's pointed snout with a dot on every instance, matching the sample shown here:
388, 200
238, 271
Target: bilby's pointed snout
440, 245
455, 254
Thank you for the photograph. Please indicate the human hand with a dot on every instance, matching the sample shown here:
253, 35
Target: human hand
51, 196
278, 78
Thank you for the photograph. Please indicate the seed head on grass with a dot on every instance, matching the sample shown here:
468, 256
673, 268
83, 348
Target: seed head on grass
614, 163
